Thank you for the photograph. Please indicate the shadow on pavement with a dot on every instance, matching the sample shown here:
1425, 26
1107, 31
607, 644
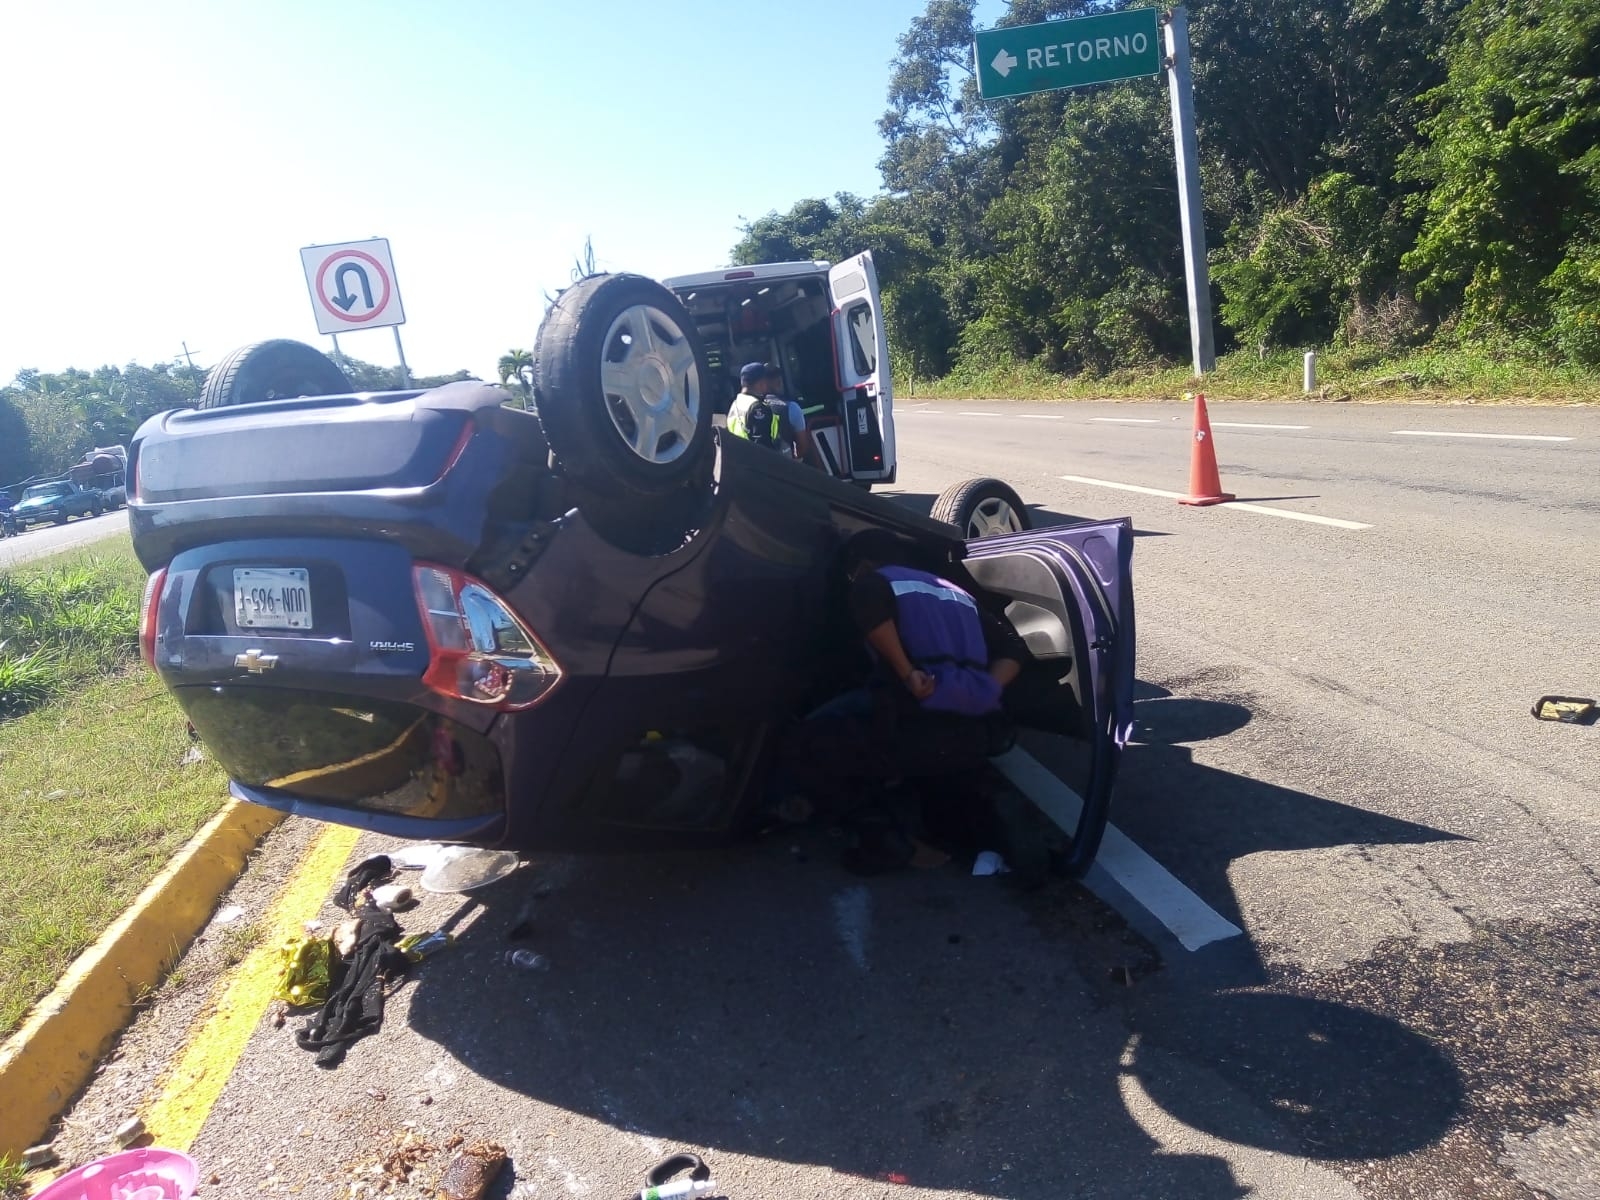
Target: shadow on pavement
934, 1027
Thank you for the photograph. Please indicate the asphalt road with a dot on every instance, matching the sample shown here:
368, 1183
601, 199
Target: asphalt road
1334, 757
43, 540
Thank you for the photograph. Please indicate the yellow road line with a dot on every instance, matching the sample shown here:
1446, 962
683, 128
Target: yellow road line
219, 1038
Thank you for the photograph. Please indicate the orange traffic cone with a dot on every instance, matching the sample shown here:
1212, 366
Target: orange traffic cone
1205, 485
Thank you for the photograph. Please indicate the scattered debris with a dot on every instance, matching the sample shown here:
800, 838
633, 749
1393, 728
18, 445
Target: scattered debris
145, 1174
418, 946
191, 756
35, 1157
129, 1131
307, 966
660, 1184
394, 897
227, 916
213, 1179
420, 856
1570, 710
278, 1014
465, 869
471, 1171
527, 960
408, 1152
354, 1007
58, 794
345, 936
365, 874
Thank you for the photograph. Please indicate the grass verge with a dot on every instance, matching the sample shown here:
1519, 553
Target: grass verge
1427, 376
68, 618
94, 798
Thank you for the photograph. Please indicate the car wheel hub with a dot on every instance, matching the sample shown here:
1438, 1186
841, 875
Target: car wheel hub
993, 516
651, 383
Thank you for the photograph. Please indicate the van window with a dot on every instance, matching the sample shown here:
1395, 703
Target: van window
863, 339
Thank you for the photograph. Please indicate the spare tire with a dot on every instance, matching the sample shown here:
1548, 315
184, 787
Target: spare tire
982, 508
271, 371
619, 385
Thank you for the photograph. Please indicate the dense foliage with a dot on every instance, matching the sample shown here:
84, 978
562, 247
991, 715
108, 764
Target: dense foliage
1377, 173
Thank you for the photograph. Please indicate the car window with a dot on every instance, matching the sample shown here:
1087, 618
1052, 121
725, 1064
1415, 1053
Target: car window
48, 492
863, 339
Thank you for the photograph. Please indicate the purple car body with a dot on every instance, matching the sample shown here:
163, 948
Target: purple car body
675, 648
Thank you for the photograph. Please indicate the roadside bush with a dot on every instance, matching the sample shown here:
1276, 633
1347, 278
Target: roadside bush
64, 622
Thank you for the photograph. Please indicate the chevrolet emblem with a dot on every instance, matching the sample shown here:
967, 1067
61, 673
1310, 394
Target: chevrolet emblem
256, 662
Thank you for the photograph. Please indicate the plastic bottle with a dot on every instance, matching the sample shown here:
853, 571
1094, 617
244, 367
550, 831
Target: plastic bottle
527, 960
679, 1189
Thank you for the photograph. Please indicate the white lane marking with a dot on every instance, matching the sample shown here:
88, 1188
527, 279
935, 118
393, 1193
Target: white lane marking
1502, 437
1192, 921
1041, 416
1126, 420
852, 914
1290, 514
978, 414
1123, 487
1252, 425
1243, 505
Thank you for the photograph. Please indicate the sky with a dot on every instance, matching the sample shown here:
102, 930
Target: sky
165, 160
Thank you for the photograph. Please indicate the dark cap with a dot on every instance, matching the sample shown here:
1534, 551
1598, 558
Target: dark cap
754, 372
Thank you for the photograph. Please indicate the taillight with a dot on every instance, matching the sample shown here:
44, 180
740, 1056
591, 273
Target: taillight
147, 615
480, 650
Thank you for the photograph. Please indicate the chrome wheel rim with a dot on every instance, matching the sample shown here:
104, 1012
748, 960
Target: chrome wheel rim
993, 516
651, 384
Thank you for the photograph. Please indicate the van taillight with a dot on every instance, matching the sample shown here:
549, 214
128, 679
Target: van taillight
147, 615
480, 651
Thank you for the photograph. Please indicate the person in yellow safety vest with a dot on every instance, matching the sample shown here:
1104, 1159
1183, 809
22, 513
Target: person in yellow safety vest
763, 418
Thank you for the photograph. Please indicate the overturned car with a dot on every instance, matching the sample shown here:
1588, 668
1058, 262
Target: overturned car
437, 616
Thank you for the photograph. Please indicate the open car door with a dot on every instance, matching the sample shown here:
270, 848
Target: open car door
861, 352
1069, 592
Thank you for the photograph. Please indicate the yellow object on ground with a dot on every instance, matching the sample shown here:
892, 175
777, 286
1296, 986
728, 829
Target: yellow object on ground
219, 1038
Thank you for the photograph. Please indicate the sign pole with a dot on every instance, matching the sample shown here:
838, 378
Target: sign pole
1191, 211
405, 371
337, 352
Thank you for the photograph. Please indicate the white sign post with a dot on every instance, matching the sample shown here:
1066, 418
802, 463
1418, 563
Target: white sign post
353, 286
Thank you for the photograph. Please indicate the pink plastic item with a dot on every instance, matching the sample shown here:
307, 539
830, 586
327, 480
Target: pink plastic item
150, 1174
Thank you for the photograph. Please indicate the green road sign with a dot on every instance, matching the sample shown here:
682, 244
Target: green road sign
1063, 54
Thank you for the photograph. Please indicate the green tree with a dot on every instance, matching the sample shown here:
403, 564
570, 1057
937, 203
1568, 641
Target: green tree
1510, 160
16, 445
518, 365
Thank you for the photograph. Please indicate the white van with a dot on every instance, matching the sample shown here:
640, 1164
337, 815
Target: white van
822, 324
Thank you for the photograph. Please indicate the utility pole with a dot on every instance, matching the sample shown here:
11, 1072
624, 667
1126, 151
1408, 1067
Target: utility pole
1191, 211
189, 358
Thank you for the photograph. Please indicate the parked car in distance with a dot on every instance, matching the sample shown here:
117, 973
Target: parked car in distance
55, 503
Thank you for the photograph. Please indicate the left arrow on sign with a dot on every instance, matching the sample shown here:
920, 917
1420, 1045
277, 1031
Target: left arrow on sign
1003, 62
347, 300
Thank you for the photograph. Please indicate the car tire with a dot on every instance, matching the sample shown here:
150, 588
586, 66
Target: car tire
271, 370
619, 386
95, 509
62, 519
982, 508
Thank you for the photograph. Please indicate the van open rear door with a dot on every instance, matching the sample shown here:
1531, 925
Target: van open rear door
865, 444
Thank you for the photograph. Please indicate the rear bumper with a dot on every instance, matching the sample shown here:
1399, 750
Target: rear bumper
484, 830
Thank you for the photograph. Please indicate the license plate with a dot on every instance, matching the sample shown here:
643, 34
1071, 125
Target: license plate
272, 597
